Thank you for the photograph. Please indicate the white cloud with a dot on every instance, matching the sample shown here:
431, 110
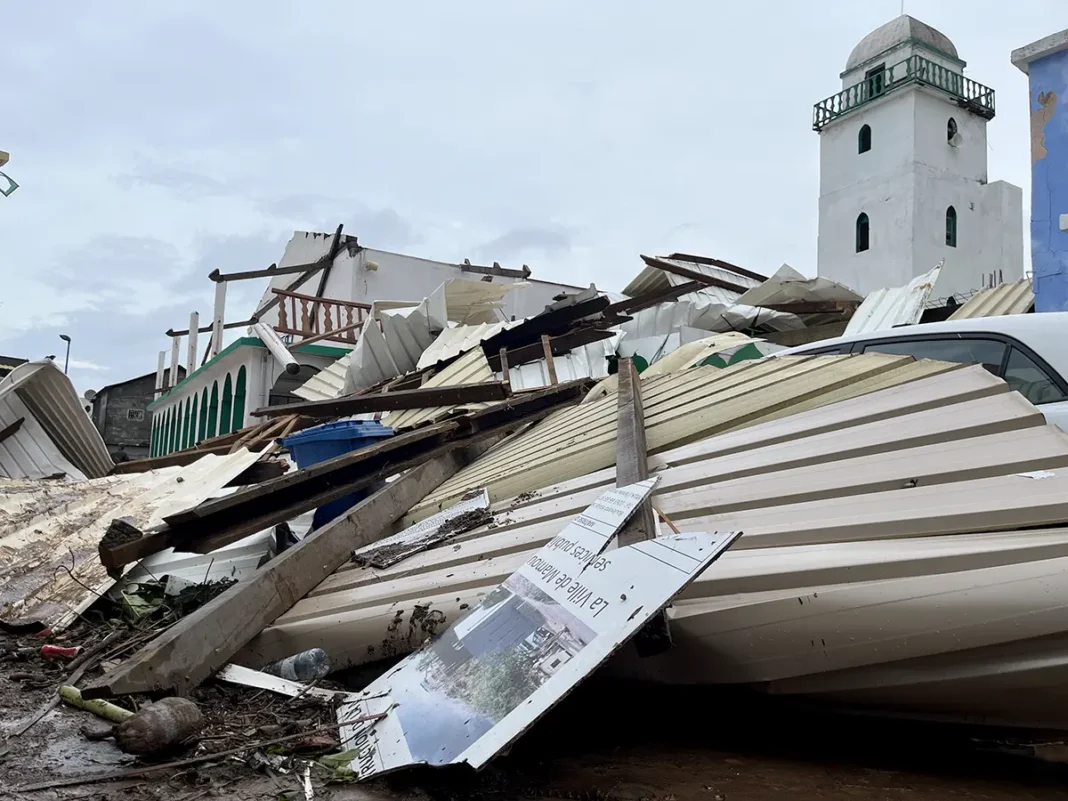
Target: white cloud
82, 364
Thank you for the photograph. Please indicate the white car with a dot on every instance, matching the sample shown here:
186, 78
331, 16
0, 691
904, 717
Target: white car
1030, 351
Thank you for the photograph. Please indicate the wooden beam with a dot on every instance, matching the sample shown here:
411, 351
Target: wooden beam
632, 465
325, 335
201, 643
554, 323
497, 270
206, 328
723, 265
559, 345
814, 306
694, 275
177, 459
654, 298
423, 398
11, 429
550, 366
504, 368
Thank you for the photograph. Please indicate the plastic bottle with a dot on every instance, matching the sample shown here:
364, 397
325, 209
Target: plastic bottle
305, 666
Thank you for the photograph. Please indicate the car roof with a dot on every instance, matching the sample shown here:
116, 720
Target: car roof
1046, 333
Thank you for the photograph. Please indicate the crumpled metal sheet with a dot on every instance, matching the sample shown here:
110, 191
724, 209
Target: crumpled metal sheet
887, 308
50, 571
56, 436
789, 286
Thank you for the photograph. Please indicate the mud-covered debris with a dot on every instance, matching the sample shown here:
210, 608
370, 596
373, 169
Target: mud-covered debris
159, 726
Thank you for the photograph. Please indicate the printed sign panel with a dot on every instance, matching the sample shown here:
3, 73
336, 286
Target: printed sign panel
471, 692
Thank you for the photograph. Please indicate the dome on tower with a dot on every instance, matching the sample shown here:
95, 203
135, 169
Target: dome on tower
896, 32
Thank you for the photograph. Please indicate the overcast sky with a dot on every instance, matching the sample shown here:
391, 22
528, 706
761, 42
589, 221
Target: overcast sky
154, 142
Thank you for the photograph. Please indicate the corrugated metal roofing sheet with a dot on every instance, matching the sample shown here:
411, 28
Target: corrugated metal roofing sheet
679, 407
56, 436
471, 368
49, 531
1015, 298
327, 383
883, 478
887, 308
453, 341
588, 361
651, 278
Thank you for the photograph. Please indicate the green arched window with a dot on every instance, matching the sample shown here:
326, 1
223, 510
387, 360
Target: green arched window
213, 410
193, 438
864, 139
202, 430
239, 400
171, 420
225, 419
862, 233
951, 227
187, 432
154, 438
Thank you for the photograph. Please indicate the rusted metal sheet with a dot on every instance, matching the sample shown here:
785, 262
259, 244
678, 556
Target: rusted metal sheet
1015, 298
50, 530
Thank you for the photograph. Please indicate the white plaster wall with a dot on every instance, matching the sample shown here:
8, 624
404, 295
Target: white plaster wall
892, 143
888, 202
989, 230
931, 112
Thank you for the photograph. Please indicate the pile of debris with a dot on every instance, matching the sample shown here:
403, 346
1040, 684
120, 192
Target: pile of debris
550, 489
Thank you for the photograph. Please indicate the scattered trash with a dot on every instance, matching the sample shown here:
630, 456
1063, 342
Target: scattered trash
59, 652
306, 666
103, 709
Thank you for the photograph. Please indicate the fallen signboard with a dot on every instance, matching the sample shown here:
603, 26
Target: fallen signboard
466, 696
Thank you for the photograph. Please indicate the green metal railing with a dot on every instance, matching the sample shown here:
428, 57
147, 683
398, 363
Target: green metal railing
970, 94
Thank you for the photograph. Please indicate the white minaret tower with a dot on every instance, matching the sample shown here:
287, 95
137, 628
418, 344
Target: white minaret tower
903, 180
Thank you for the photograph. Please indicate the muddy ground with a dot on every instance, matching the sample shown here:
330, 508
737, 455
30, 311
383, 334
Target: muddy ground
607, 741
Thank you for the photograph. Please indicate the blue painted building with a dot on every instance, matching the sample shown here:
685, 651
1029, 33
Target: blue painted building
1046, 64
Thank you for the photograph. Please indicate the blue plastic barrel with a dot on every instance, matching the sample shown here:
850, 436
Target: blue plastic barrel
314, 445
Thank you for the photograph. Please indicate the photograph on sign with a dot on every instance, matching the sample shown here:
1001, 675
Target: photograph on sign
474, 689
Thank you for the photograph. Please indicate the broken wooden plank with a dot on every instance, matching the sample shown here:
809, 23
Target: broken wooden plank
693, 275
632, 466
179, 459
723, 265
201, 643
225, 520
654, 298
554, 323
550, 366
11, 429
275, 501
429, 398
559, 345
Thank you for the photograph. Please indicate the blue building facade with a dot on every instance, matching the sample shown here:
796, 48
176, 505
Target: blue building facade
1046, 64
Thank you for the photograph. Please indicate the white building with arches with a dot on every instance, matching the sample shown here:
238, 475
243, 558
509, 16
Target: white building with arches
903, 170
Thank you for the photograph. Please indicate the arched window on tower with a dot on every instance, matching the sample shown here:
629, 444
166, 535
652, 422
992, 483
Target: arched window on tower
951, 227
864, 139
951, 130
862, 232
